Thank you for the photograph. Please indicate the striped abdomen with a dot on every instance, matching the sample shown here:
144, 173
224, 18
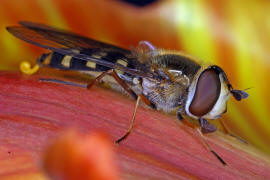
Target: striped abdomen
66, 62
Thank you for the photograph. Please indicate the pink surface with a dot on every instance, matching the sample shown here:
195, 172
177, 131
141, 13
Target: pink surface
33, 112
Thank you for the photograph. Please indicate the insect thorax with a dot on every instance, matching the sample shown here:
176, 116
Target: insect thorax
173, 75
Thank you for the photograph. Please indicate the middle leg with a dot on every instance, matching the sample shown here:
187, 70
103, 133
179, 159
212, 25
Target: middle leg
126, 87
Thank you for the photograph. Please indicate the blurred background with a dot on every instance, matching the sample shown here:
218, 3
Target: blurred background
232, 34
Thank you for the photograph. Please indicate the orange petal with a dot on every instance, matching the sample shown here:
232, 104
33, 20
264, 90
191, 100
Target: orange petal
75, 156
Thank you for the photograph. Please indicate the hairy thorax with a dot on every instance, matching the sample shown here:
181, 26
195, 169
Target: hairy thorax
167, 95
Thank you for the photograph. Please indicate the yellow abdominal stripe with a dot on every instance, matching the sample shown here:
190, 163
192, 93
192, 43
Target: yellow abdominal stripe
26, 68
91, 64
123, 63
66, 61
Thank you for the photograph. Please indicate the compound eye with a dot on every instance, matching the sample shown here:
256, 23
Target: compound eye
206, 93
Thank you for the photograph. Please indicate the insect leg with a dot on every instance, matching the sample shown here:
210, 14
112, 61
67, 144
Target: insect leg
130, 91
63, 82
118, 80
208, 147
121, 83
208, 128
132, 122
179, 113
116, 77
226, 131
139, 98
98, 78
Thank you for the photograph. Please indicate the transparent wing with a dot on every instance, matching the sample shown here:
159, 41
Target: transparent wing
68, 39
65, 42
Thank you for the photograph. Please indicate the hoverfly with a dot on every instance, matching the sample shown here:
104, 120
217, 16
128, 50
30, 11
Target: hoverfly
165, 80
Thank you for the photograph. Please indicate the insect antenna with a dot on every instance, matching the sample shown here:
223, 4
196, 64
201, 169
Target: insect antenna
239, 94
247, 89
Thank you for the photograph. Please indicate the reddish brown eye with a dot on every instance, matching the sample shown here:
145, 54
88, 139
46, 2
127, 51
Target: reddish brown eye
206, 93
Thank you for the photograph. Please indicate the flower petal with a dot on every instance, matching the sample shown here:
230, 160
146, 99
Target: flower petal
33, 112
75, 156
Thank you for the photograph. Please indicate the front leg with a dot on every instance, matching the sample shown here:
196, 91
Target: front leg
180, 113
206, 127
